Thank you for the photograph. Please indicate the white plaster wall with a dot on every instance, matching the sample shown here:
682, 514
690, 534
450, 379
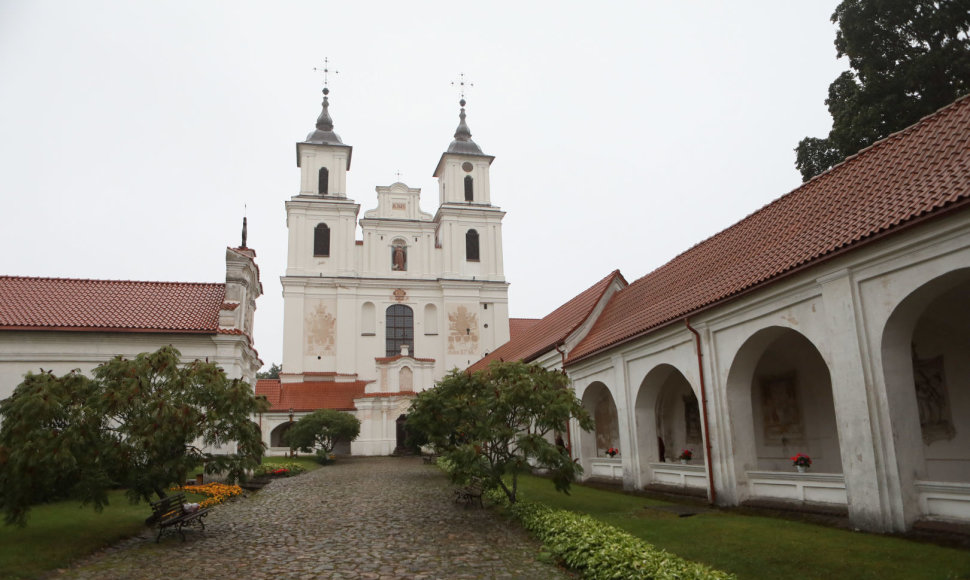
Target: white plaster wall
61, 352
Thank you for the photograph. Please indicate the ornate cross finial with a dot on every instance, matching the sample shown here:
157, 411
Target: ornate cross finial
398, 174
326, 74
461, 83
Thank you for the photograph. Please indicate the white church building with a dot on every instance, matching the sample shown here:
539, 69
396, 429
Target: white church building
833, 322
369, 322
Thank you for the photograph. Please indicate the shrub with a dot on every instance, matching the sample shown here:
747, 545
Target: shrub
598, 550
324, 457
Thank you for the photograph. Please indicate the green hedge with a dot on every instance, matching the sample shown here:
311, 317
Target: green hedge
598, 550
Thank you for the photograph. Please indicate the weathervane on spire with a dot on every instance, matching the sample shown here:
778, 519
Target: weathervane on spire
326, 74
461, 83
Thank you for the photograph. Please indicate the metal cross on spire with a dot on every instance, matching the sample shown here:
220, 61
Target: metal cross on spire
461, 83
326, 74
398, 174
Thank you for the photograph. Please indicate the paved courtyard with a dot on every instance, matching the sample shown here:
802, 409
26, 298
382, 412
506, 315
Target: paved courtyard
359, 518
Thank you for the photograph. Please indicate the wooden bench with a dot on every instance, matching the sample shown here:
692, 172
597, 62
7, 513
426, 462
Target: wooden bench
169, 514
470, 493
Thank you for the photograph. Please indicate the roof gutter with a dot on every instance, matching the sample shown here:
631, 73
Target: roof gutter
569, 434
711, 491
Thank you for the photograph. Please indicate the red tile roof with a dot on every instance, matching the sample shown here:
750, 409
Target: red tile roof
109, 305
310, 395
519, 326
553, 328
921, 170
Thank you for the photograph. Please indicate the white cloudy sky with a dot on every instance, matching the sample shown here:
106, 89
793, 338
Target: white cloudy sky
133, 133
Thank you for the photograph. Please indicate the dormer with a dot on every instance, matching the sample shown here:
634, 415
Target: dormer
323, 158
462, 171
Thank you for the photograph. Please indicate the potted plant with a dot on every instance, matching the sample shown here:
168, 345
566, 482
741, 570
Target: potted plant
801, 462
686, 455
612, 451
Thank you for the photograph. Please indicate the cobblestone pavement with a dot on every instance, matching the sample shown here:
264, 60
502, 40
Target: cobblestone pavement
359, 518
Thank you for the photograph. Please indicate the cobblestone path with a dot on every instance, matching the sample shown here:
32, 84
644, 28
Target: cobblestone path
359, 518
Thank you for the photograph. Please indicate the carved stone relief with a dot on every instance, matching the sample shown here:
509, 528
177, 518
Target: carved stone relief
935, 417
780, 409
692, 419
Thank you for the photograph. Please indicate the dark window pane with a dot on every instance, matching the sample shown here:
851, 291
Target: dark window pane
399, 329
321, 240
324, 183
471, 245
469, 188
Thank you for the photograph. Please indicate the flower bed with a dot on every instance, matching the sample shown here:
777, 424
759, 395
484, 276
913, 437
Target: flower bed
598, 550
217, 492
288, 469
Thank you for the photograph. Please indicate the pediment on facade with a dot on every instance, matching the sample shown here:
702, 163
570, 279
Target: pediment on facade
398, 201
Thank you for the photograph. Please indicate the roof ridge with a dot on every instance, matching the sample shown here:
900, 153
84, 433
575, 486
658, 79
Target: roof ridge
108, 280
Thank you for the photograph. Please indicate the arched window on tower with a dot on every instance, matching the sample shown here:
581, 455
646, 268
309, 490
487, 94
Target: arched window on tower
469, 188
321, 240
471, 246
323, 186
400, 329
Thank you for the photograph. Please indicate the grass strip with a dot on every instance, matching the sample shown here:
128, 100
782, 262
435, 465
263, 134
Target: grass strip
59, 533
757, 547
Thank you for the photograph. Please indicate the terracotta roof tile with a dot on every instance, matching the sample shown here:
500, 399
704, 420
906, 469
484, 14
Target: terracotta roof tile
310, 395
552, 329
115, 305
518, 326
918, 171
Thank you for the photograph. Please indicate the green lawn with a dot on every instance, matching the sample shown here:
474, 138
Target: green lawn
759, 547
58, 533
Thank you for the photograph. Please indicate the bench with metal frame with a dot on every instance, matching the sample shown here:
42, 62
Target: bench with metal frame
169, 515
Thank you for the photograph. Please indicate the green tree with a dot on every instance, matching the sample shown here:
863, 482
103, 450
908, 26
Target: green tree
908, 59
495, 424
273, 372
136, 424
322, 429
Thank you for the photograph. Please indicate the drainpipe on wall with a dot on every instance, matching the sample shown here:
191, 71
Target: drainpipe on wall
707, 434
569, 435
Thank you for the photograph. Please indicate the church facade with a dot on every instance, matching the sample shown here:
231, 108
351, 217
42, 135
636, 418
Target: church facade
370, 321
832, 323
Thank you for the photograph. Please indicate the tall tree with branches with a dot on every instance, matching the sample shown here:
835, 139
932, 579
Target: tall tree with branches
908, 58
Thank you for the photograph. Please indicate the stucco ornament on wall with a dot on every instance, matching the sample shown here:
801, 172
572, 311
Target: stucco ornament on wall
462, 331
320, 331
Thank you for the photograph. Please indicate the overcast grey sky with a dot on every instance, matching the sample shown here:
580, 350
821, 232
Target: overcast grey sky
133, 133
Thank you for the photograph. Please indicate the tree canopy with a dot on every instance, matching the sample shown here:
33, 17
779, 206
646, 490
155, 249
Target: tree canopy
273, 372
322, 429
908, 58
495, 424
138, 424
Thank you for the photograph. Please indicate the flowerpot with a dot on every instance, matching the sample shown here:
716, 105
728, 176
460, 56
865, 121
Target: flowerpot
685, 461
801, 468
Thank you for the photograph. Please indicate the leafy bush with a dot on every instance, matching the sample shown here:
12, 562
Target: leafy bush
598, 550
324, 457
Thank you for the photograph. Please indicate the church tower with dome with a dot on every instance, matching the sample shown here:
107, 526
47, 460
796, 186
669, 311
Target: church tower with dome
370, 322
